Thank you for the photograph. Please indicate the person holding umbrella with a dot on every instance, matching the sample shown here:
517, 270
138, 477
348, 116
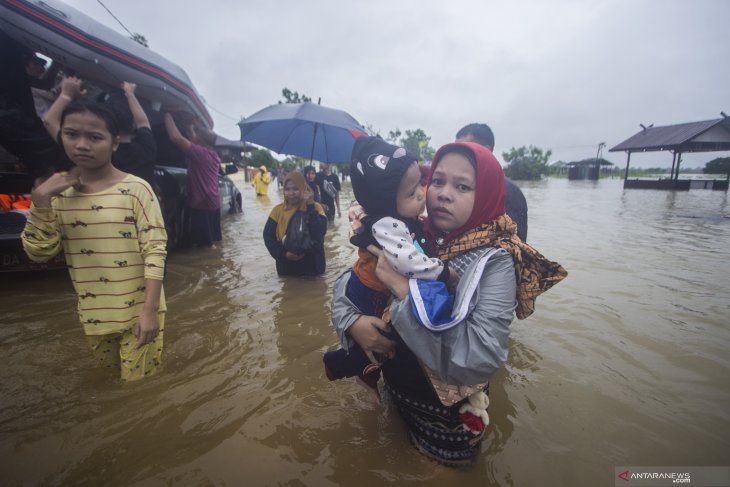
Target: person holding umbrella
329, 189
310, 175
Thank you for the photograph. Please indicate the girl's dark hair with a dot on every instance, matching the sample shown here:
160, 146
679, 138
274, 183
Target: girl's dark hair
99, 110
308, 169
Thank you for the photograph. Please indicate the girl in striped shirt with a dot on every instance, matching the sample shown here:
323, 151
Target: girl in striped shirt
109, 225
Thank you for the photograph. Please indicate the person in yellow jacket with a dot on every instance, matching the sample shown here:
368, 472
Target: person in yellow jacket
261, 181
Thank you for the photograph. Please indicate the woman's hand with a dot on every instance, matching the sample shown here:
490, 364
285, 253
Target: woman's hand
147, 328
365, 332
293, 257
397, 283
53, 186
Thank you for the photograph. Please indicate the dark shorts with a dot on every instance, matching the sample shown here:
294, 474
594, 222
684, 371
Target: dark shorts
205, 226
330, 208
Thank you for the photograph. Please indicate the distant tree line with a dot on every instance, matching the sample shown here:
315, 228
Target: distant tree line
531, 163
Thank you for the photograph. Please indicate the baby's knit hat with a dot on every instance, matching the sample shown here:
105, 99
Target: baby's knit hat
376, 170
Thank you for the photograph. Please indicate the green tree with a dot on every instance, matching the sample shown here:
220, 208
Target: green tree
425, 151
414, 141
293, 162
720, 165
526, 162
262, 157
394, 136
293, 97
371, 131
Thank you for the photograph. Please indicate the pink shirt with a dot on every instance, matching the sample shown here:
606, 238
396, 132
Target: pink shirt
203, 169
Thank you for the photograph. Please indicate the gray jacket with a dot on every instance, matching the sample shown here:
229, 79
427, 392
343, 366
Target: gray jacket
470, 352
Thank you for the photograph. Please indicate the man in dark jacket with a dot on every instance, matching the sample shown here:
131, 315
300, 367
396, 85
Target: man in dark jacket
515, 202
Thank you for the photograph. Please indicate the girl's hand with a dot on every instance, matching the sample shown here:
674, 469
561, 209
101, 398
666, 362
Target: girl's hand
128, 88
146, 329
453, 279
293, 257
397, 283
53, 186
71, 87
365, 332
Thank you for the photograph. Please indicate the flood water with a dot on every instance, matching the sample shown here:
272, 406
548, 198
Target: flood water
627, 362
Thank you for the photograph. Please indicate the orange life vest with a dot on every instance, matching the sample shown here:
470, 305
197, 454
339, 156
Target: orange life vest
14, 202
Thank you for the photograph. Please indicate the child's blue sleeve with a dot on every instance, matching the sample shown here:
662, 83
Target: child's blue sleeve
432, 304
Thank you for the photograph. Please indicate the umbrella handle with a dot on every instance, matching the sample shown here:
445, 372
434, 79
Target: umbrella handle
314, 139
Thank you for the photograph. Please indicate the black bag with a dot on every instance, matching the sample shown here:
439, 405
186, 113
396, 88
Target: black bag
297, 239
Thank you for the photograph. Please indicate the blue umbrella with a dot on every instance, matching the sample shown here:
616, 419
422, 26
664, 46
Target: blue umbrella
305, 130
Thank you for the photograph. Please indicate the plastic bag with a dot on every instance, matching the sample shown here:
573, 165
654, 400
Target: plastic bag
297, 239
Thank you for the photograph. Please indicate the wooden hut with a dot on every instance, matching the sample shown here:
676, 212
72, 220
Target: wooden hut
586, 169
705, 136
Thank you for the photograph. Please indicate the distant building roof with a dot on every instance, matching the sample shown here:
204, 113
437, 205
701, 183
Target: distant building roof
706, 136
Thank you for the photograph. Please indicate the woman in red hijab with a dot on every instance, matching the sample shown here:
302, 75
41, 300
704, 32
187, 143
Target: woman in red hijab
439, 380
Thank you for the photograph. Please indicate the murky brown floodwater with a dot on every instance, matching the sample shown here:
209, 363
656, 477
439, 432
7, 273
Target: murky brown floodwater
626, 362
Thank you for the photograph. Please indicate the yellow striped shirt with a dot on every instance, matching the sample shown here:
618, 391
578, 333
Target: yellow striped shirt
112, 240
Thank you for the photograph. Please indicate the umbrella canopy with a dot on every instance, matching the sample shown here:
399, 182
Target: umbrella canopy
304, 130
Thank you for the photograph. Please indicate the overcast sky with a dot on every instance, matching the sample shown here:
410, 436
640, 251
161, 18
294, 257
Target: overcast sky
559, 75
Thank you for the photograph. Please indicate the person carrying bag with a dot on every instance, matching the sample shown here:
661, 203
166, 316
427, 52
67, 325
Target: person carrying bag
294, 232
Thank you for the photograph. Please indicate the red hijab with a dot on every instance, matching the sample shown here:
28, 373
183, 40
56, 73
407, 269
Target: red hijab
489, 191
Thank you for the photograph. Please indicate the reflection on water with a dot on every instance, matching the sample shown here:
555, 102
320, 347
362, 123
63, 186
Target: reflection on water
624, 363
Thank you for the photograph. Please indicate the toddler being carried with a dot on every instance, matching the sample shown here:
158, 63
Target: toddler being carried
386, 180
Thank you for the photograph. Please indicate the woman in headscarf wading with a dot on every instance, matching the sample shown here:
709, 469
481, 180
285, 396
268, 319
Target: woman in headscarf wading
297, 198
